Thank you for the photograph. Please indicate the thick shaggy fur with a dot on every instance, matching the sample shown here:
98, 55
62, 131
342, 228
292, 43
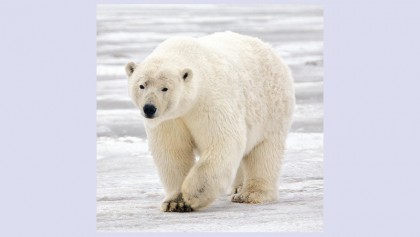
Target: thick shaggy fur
229, 99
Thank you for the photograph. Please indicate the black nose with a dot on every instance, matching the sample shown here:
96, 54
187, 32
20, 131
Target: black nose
149, 110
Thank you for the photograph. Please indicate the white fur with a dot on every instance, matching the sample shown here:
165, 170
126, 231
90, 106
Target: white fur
234, 109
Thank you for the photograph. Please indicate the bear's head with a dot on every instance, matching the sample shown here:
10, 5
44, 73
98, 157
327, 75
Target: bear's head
160, 90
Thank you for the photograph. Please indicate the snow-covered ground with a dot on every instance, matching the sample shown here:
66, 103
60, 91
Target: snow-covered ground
128, 188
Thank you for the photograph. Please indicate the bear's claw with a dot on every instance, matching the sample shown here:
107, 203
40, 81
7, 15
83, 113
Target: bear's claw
236, 190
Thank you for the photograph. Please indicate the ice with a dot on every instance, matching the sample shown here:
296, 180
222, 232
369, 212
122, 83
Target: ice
128, 188
129, 193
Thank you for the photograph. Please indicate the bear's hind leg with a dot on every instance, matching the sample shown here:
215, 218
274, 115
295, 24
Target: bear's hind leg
261, 169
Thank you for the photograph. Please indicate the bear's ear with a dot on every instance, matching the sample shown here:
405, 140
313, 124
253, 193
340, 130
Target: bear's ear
186, 74
129, 68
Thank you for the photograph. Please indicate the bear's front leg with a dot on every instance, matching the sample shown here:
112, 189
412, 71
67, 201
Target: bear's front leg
220, 138
172, 150
212, 175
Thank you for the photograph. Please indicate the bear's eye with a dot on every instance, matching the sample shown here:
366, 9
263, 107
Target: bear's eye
164, 89
141, 87
185, 75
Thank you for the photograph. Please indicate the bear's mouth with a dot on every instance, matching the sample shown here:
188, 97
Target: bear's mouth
149, 116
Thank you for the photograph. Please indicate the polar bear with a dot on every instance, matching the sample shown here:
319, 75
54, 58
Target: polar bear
226, 97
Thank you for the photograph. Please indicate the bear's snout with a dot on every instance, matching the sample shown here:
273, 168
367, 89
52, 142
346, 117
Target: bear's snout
149, 110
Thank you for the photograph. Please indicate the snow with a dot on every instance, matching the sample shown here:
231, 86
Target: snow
128, 188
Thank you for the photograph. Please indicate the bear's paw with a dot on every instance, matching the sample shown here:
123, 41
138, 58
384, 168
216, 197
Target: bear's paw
254, 197
176, 205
